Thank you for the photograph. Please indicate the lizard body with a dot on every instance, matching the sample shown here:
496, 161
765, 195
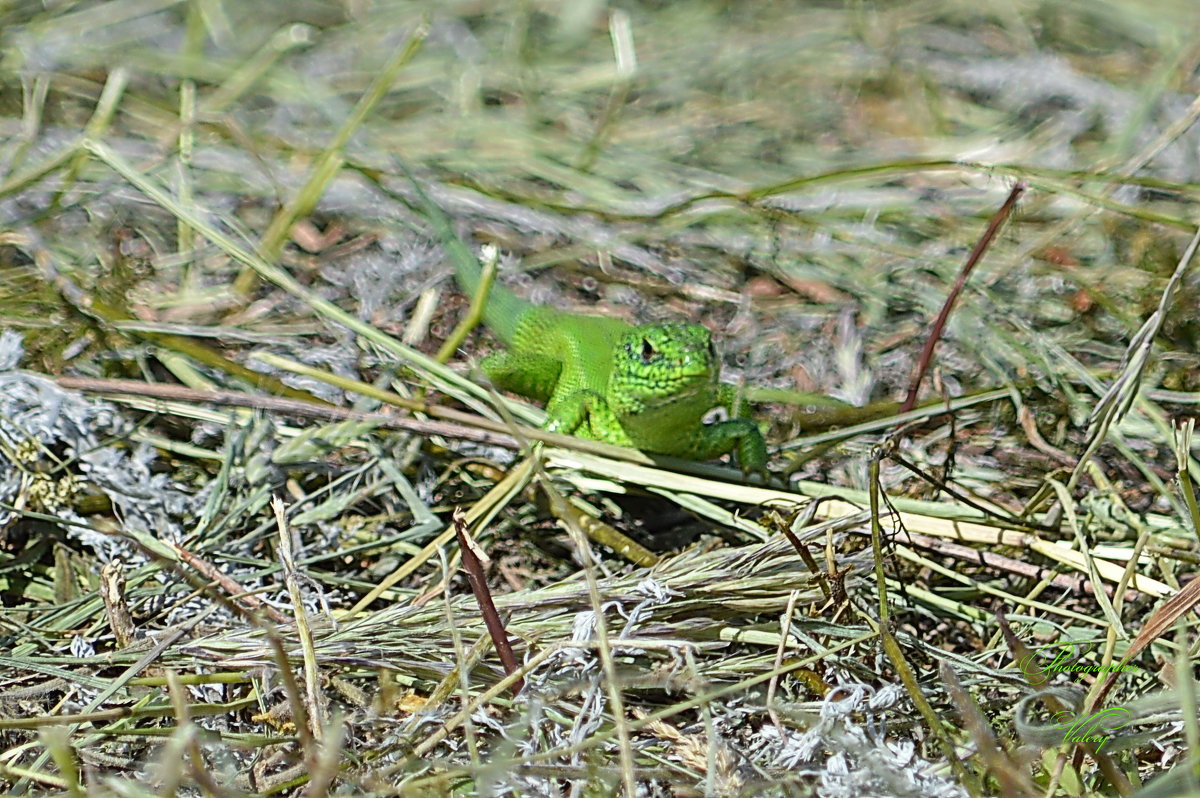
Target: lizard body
647, 386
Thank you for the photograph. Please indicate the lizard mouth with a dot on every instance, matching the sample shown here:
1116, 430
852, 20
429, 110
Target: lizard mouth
678, 390
673, 383
663, 364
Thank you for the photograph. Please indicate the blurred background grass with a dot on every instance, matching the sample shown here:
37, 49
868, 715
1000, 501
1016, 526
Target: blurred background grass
850, 152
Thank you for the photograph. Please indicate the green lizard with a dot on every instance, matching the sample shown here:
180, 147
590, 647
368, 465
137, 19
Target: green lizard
647, 386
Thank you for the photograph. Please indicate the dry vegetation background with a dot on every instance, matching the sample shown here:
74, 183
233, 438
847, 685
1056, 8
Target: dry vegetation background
207, 196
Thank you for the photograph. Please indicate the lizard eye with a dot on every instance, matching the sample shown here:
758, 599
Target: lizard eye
648, 351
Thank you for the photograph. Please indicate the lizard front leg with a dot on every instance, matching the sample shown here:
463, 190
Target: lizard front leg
585, 413
738, 435
533, 376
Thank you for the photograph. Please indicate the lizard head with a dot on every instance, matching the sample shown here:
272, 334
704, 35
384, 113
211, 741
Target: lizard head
668, 363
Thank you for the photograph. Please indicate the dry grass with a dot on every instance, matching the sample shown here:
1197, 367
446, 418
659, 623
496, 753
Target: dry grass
206, 226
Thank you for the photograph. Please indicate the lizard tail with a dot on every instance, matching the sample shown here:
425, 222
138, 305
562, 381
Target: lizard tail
504, 309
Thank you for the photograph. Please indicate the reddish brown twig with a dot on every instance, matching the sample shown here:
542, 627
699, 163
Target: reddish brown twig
935, 334
491, 618
236, 593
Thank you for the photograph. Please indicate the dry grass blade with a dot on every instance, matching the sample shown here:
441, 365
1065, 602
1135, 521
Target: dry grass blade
999, 763
331, 160
1165, 617
1121, 394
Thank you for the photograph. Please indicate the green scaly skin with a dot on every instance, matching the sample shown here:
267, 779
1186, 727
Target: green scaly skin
647, 387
